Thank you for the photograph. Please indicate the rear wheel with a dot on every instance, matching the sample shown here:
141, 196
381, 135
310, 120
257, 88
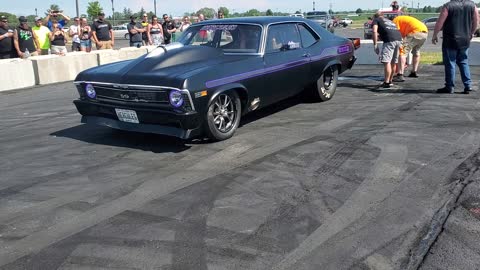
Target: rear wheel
127, 36
325, 87
223, 116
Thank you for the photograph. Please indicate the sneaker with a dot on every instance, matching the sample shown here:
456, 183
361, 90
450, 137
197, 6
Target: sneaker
467, 90
398, 78
413, 74
386, 85
445, 90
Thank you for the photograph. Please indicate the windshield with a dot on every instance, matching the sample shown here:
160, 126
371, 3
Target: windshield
231, 38
317, 17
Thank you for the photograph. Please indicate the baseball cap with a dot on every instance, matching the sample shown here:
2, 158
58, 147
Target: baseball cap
22, 19
101, 14
145, 15
133, 17
38, 18
3, 18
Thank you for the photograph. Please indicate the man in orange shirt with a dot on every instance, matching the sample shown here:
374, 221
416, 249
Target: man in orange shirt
414, 34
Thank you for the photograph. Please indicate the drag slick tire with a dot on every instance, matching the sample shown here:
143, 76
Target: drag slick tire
223, 116
325, 87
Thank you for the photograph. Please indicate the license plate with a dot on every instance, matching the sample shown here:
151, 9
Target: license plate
127, 116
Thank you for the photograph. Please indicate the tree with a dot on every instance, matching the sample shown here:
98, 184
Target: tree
127, 13
330, 11
93, 9
269, 12
359, 11
140, 13
298, 12
225, 11
207, 12
52, 7
253, 12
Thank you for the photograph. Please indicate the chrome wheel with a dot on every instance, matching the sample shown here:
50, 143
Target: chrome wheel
224, 113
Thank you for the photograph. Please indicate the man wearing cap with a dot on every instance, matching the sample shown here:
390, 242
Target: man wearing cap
135, 30
42, 32
102, 33
74, 32
169, 29
25, 39
145, 25
54, 15
6, 39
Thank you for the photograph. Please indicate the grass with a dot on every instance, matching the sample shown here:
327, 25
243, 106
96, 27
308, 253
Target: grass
431, 58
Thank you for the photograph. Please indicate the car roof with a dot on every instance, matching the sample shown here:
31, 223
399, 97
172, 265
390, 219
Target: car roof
262, 20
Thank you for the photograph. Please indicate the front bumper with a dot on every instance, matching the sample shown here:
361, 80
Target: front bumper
158, 121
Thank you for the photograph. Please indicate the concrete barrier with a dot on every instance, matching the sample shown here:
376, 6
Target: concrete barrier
54, 68
474, 53
16, 73
107, 56
131, 53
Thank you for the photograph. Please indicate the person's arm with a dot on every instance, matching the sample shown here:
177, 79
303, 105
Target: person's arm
149, 27
15, 44
47, 19
132, 29
9, 34
72, 33
112, 36
375, 38
37, 42
475, 22
65, 17
439, 24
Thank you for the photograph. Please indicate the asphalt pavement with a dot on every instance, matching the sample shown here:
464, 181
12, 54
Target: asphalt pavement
366, 180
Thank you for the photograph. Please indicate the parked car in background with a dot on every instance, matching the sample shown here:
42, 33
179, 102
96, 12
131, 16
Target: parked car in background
120, 31
296, 15
346, 21
322, 18
430, 22
387, 13
216, 72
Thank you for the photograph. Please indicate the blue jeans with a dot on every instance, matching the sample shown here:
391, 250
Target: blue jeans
137, 44
459, 57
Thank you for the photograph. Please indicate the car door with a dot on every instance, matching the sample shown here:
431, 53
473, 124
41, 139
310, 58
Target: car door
286, 62
311, 43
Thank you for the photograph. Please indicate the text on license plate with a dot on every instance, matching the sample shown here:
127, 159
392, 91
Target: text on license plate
127, 116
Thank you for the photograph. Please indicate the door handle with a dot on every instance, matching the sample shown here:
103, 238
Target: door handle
306, 55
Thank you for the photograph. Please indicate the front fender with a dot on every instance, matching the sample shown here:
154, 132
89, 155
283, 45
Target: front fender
241, 90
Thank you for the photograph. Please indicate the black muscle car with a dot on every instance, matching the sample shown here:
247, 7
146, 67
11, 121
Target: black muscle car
218, 71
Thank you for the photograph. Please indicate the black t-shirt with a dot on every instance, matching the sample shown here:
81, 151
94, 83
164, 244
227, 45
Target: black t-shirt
135, 37
103, 30
387, 30
168, 26
6, 44
456, 29
25, 39
58, 40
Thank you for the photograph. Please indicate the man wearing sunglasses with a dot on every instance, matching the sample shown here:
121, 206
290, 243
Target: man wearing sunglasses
74, 32
25, 39
55, 15
145, 25
6, 39
169, 29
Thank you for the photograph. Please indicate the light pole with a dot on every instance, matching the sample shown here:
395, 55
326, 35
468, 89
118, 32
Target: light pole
36, 13
313, 5
76, 4
113, 13
155, 7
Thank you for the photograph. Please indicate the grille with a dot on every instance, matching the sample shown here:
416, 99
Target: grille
133, 95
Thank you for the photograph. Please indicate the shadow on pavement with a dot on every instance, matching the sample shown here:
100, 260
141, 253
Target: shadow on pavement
112, 137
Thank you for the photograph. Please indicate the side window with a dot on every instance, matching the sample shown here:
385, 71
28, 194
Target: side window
307, 35
282, 37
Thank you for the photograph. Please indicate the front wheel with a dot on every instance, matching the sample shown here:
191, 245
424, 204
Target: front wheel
325, 87
223, 116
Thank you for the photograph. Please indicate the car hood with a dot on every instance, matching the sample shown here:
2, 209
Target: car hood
163, 66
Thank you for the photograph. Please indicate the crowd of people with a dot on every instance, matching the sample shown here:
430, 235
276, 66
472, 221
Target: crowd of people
405, 34
47, 36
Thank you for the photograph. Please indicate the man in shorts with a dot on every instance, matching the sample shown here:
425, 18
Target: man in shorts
43, 35
392, 40
414, 34
102, 33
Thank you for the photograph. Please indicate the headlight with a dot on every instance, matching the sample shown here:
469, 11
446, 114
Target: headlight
90, 90
176, 98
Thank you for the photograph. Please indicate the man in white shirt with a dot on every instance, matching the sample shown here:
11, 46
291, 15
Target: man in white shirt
73, 33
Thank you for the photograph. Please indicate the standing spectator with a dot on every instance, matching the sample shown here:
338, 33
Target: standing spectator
458, 20
155, 32
391, 44
58, 40
185, 24
74, 32
201, 17
220, 15
414, 34
43, 35
145, 26
395, 6
168, 28
102, 33
135, 29
25, 39
6, 39
54, 15
85, 36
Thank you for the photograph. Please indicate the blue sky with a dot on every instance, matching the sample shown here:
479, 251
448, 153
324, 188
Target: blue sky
178, 7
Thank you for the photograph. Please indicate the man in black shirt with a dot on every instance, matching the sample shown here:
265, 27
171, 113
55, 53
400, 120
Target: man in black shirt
392, 39
169, 29
25, 39
102, 33
458, 20
6, 39
135, 29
